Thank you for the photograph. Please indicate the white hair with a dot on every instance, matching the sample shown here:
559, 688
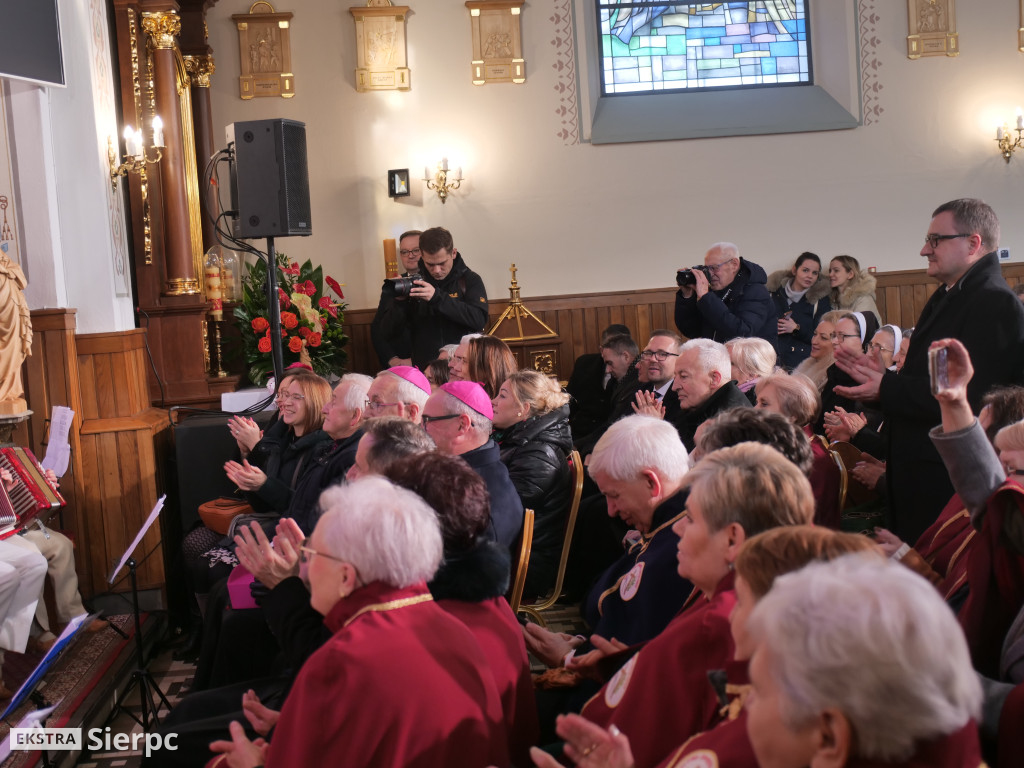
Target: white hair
405, 391
448, 349
636, 443
356, 396
389, 534
754, 355
874, 640
469, 337
711, 356
728, 249
479, 423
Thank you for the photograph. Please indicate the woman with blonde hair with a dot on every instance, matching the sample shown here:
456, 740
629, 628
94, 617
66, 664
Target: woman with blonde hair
531, 420
816, 366
752, 358
853, 290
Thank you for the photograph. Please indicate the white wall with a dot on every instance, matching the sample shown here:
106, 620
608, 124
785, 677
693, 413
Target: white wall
580, 218
72, 223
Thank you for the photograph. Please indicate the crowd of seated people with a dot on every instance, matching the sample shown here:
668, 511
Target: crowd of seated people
727, 619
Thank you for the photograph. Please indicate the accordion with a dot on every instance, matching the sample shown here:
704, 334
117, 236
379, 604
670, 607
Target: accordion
31, 495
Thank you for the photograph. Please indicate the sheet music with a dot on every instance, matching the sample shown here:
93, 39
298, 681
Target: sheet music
31, 720
138, 537
58, 450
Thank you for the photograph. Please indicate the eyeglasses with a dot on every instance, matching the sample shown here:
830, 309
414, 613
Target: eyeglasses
658, 354
428, 419
715, 267
879, 347
376, 406
413, 252
306, 554
934, 240
840, 337
293, 398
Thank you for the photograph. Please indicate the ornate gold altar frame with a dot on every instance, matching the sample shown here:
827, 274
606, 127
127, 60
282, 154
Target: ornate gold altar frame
497, 41
381, 63
265, 52
932, 25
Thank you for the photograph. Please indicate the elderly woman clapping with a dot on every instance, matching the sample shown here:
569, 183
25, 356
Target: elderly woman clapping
860, 663
400, 682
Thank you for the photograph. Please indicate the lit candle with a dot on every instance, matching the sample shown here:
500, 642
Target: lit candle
444, 164
158, 131
426, 173
129, 140
458, 173
999, 133
137, 143
1020, 119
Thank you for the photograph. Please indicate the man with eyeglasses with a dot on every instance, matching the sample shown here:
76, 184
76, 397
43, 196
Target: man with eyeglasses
400, 391
972, 304
396, 348
731, 301
459, 417
447, 302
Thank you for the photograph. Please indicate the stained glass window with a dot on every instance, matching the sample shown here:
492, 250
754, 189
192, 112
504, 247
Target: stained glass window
651, 47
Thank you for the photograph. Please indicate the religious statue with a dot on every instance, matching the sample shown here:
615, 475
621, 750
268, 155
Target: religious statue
15, 336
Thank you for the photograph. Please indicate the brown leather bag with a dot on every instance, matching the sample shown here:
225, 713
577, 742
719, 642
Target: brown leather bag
218, 514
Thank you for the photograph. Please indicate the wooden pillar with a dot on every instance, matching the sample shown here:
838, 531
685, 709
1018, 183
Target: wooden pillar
200, 69
162, 27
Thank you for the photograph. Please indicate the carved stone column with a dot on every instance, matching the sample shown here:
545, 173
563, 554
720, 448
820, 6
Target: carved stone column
200, 69
162, 27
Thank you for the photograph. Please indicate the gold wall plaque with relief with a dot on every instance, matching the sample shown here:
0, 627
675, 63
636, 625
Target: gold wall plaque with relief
265, 52
381, 62
932, 28
497, 41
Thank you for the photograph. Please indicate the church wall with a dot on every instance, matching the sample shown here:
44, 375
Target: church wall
579, 218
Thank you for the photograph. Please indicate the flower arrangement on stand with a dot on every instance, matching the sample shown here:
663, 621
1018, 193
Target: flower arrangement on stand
311, 319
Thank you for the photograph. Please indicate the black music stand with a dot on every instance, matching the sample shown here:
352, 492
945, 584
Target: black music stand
149, 691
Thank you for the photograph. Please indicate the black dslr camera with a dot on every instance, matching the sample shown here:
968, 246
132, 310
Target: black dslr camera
402, 286
685, 277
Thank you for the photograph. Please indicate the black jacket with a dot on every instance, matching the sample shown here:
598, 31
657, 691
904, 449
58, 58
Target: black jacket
458, 307
506, 508
535, 452
744, 308
795, 347
398, 343
328, 465
283, 458
983, 313
725, 398
591, 398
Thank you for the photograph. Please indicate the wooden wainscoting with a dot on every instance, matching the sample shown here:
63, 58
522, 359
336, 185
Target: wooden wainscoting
579, 318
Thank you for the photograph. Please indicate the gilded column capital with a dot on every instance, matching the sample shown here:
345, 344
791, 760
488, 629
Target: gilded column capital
162, 27
200, 69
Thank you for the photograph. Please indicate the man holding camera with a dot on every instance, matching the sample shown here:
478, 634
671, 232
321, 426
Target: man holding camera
439, 304
725, 299
395, 350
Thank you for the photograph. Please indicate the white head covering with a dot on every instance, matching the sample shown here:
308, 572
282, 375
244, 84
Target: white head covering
862, 325
897, 336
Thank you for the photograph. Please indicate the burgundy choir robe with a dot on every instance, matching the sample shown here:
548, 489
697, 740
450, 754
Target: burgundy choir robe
661, 696
501, 639
400, 683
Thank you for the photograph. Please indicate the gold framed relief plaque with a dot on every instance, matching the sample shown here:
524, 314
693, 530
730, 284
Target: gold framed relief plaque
264, 52
381, 63
1020, 29
497, 41
932, 28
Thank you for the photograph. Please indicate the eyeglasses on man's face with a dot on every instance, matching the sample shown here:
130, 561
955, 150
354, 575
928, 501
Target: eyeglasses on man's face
306, 553
933, 240
376, 405
429, 419
658, 354
410, 252
716, 267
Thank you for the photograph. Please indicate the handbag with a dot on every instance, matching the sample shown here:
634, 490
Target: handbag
218, 514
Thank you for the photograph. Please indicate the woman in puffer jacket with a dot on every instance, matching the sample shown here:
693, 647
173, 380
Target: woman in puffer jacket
531, 421
801, 298
852, 289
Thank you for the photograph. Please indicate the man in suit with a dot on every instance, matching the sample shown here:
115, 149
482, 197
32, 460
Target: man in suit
973, 304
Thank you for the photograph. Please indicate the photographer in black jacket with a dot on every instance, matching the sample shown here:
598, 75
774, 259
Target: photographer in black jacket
445, 302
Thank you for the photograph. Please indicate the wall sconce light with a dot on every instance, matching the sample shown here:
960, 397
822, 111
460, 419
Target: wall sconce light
398, 183
1008, 145
440, 181
136, 155
135, 160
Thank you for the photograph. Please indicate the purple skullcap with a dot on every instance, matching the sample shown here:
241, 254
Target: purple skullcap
412, 375
472, 394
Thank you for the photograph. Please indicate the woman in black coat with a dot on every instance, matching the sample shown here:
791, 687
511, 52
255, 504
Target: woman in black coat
531, 420
800, 295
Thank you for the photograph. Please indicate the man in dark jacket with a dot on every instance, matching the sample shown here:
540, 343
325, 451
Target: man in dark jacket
591, 385
395, 349
448, 302
972, 304
703, 386
732, 302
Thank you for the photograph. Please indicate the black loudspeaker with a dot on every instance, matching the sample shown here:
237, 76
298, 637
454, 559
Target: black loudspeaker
269, 178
